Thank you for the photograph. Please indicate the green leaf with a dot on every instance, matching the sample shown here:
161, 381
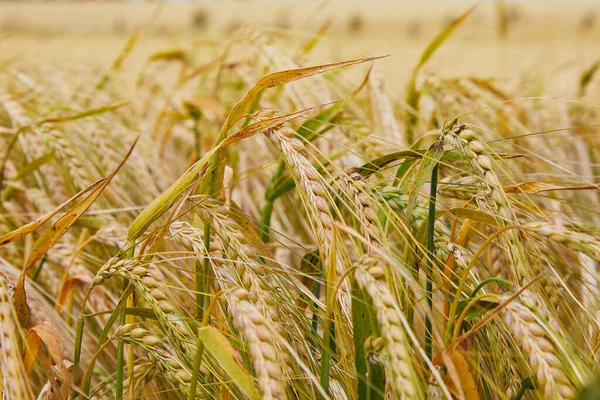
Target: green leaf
114, 314
52, 235
474, 215
430, 160
592, 390
443, 36
34, 165
34, 225
281, 78
587, 76
142, 312
218, 346
377, 164
479, 309
309, 129
84, 114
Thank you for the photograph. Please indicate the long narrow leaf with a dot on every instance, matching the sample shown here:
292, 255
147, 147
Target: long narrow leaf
218, 346
52, 235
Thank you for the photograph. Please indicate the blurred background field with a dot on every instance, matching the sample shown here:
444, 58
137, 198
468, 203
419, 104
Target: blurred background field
550, 38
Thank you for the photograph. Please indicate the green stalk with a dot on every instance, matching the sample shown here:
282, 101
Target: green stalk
202, 278
267, 211
200, 349
196, 368
88, 373
402, 170
328, 326
527, 383
121, 344
122, 305
371, 378
37, 271
198, 138
198, 268
359, 318
265, 221
78, 341
326, 351
376, 382
489, 280
429, 263
315, 317
520, 393
121, 352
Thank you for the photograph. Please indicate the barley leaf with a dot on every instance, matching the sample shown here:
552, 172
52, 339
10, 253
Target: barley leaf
217, 345
463, 373
309, 129
540, 187
474, 215
378, 163
33, 225
277, 79
430, 160
32, 346
587, 77
34, 165
56, 231
84, 114
481, 307
209, 186
51, 236
443, 36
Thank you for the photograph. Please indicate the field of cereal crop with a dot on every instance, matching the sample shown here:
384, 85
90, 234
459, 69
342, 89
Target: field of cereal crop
300, 200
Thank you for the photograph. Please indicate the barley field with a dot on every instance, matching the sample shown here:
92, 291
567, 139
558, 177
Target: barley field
300, 200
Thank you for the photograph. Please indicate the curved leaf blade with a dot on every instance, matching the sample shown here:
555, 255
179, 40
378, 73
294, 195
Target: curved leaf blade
217, 345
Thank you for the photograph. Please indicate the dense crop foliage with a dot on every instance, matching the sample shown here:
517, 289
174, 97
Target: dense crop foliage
261, 228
